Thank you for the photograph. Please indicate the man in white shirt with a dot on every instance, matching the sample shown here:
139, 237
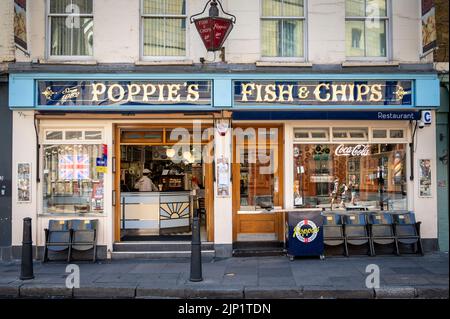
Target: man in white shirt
145, 184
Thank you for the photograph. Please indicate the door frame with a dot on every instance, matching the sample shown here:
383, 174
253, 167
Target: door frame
209, 176
279, 217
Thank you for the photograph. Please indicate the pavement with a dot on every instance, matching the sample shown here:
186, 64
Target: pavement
237, 278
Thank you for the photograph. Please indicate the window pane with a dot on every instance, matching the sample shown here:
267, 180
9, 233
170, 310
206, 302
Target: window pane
379, 133
376, 8
271, 38
154, 6
83, 37
346, 175
84, 6
154, 36
54, 135
59, 6
71, 182
292, 38
354, 36
74, 135
396, 134
93, 135
376, 38
60, 37
175, 37
354, 8
272, 8
176, 7
293, 8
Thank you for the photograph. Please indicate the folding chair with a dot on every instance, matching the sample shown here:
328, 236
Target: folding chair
407, 230
333, 230
58, 238
382, 230
357, 231
84, 236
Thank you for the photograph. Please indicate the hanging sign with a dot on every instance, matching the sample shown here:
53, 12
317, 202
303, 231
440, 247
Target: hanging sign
316, 92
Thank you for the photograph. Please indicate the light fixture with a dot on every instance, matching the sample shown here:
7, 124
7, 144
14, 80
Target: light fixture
170, 152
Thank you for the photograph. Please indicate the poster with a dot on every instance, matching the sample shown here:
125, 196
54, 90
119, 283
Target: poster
223, 177
424, 178
24, 182
20, 24
429, 37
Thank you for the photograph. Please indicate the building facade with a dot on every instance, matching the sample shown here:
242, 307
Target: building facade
309, 105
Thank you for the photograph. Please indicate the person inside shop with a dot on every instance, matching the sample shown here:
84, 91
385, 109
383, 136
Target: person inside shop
352, 187
334, 191
145, 184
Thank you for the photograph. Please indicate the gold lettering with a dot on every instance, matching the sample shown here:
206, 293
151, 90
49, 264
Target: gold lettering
270, 95
351, 90
133, 89
149, 89
284, 91
258, 92
377, 94
339, 89
193, 94
97, 89
303, 92
161, 92
317, 92
173, 94
111, 95
363, 90
245, 91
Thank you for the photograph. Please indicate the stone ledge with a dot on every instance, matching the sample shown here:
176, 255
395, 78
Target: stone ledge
9, 291
46, 291
105, 292
337, 293
432, 292
273, 292
395, 293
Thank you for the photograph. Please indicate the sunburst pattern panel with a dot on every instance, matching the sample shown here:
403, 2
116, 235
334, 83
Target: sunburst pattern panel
174, 210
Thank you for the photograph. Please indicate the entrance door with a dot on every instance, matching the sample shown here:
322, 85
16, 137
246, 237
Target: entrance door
159, 180
257, 183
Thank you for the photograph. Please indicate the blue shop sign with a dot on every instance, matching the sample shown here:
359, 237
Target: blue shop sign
109, 93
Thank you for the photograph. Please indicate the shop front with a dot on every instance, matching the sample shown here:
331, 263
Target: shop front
142, 153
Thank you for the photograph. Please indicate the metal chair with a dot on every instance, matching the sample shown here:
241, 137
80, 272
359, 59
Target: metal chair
333, 230
356, 231
407, 230
58, 237
382, 230
84, 236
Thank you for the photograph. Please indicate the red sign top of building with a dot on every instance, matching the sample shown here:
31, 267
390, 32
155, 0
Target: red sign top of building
213, 31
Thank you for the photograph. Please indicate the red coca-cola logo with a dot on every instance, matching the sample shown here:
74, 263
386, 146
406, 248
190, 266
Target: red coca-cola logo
352, 150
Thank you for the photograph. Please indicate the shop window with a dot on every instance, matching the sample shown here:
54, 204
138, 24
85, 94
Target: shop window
283, 28
367, 25
71, 181
396, 134
321, 134
164, 28
350, 134
388, 134
70, 27
350, 175
74, 135
379, 134
93, 135
54, 135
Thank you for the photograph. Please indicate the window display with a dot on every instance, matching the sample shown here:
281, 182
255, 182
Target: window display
72, 184
350, 176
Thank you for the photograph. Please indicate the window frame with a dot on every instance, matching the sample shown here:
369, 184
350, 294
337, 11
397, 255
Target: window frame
48, 35
303, 58
388, 21
151, 58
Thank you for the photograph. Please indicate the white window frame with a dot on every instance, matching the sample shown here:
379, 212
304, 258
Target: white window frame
388, 137
349, 131
142, 16
65, 141
388, 20
48, 19
303, 58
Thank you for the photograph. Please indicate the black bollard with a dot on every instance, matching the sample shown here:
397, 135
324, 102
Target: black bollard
27, 252
196, 254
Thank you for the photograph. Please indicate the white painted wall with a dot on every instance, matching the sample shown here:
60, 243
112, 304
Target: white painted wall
117, 31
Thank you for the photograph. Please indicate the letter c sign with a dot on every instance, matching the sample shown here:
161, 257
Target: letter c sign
426, 117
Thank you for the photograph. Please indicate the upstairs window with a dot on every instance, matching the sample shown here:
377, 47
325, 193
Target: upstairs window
70, 27
366, 28
282, 28
164, 28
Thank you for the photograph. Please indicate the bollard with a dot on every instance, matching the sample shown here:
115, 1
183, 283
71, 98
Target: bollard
196, 254
27, 252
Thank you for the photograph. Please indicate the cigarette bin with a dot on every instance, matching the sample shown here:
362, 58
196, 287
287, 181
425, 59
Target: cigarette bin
304, 234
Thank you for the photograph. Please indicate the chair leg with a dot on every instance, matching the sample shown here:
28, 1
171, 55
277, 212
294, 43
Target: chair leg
94, 258
345, 247
69, 254
45, 254
371, 248
397, 251
420, 247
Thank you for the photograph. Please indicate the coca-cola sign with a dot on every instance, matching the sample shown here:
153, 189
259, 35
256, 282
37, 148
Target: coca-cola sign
213, 31
352, 150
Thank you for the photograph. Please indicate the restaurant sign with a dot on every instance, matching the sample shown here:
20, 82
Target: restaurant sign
127, 92
313, 92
